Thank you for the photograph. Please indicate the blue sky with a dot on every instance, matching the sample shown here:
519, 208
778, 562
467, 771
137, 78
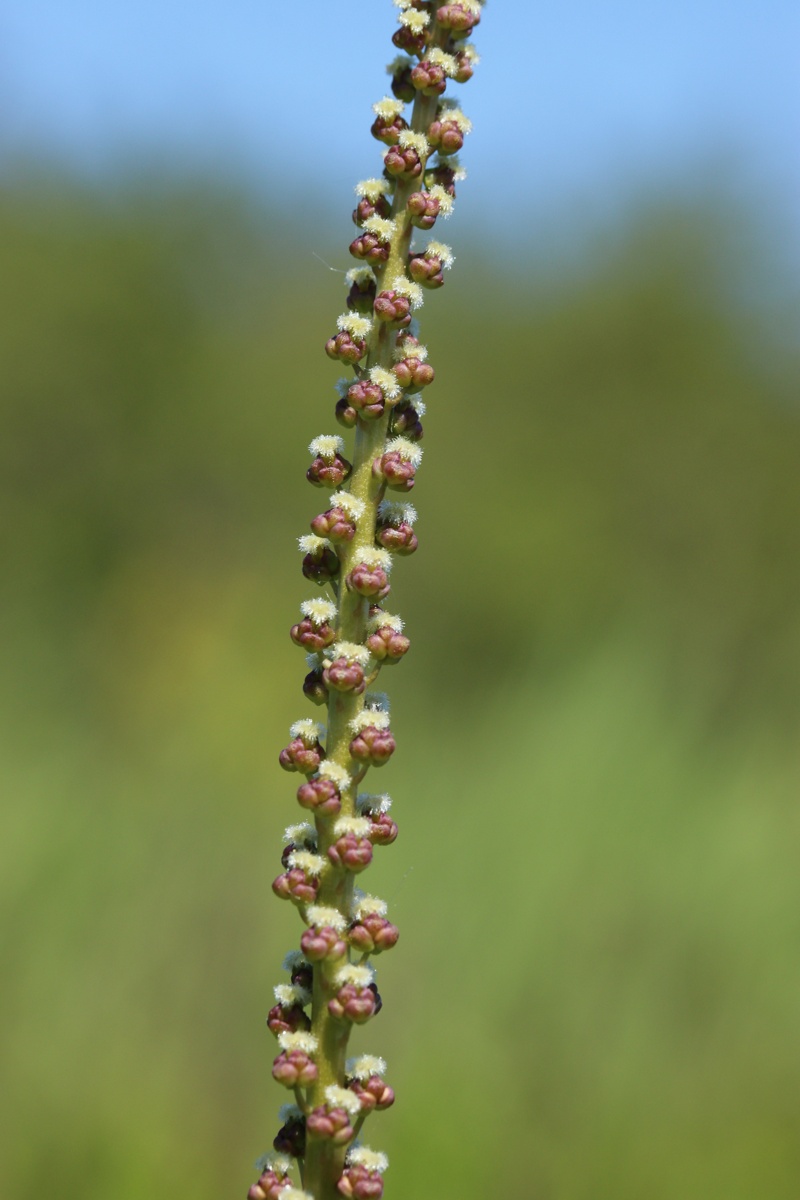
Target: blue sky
579, 102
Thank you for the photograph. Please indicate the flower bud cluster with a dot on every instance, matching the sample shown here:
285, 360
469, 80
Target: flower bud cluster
348, 633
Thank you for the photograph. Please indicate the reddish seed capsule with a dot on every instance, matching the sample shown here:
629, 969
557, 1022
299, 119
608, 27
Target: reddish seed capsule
330, 1124
369, 579
337, 526
459, 19
445, 136
370, 249
393, 308
357, 1183
373, 1093
343, 346
294, 1068
388, 130
372, 934
320, 795
288, 1020
329, 472
343, 675
308, 635
367, 398
302, 757
403, 162
423, 209
351, 853
322, 944
296, 886
354, 1004
373, 746
428, 78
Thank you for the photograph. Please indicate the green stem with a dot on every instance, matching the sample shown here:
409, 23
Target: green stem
323, 1161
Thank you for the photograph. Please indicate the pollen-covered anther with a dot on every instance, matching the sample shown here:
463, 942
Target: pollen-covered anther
319, 612
299, 1040
327, 446
290, 994
415, 19
378, 619
411, 369
412, 291
366, 905
355, 976
310, 864
364, 1066
331, 770
339, 1097
369, 718
398, 464
373, 1160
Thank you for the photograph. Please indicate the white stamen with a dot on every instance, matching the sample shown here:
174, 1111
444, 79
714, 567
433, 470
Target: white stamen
300, 835
408, 451
413, 292
270, 1161
388, 108
337, 1097
373, 804
404, 350
370, 1160
357, 327
308, 863
360, 826
370, 904
384, 620
322, 917
415, 141
318, 611
446, 202
385, 380
394, 512
365, 1066
382, 227
362, 275
447, 62
442, 252
415, 20
351, 651
369, 718
360, 977
307, 729
327, 446
373, 556
298, 1041
349, 504
290, 994
310, 544
336, 774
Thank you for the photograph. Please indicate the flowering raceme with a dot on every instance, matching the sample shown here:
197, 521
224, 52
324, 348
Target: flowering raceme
348, 635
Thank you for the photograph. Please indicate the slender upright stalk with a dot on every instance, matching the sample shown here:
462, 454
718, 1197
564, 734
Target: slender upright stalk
351, 636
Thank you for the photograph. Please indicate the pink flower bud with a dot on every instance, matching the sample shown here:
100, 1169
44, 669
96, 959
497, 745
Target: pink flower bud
305, 633
329, 472
373, 746
299, 756
371, 249
372, 934
398, 472
423, 209
367, 398
343, 675
459, 19
288, 1020
355, 1004
331, 1125
379, 206
369, 579
351, 853
296, 886
337, 527
428, 78
323, 943
344, 347
373, 1093
294, 1068
403, 162
412, 373
399, 538
426, 269
360, 1184
320, 795
445, 135
269, 1186
388, 130
386, 645
384, 829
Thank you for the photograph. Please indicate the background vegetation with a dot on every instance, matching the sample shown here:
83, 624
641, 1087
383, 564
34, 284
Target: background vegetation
596, 991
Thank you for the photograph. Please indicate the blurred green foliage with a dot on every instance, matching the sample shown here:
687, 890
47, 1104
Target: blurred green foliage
596, 990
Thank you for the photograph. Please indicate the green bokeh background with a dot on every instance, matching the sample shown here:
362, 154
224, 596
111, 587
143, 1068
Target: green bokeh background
596, 991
